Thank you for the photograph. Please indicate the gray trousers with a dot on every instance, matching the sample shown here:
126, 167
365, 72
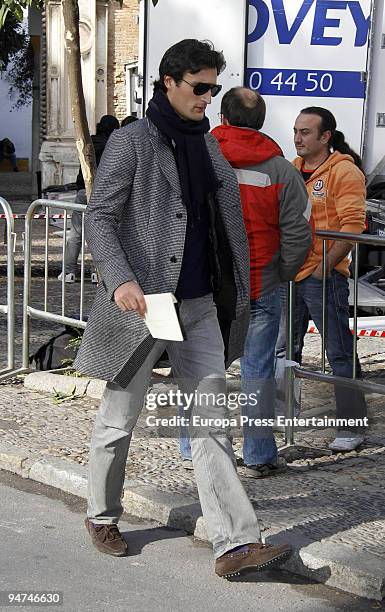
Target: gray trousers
74, 239
198, 361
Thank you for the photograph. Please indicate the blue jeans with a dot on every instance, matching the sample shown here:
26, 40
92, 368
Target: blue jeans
350, 404
257, 378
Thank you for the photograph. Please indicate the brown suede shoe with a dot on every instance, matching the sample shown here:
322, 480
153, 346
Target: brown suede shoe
107, 539
257, 557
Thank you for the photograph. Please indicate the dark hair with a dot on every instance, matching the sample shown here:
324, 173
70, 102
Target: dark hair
127, 120
337, 140
188, 55
242, 109
107, 124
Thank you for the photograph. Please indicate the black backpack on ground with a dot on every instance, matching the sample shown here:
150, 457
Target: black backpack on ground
59, 352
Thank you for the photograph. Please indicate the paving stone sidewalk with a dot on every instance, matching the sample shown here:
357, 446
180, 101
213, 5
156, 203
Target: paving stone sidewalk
330, 506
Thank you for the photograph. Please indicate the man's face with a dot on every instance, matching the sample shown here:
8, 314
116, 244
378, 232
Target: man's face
182, 97
307, 138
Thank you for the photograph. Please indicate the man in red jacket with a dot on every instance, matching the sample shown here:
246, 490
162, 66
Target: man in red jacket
276, 212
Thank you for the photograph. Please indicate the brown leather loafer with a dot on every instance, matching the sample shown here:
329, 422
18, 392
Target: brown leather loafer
258, 557
107, 539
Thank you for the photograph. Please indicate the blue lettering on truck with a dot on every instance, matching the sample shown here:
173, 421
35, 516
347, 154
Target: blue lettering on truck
324, 30
322, 21
319, 83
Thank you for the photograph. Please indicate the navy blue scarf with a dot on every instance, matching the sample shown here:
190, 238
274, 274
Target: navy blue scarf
196, 172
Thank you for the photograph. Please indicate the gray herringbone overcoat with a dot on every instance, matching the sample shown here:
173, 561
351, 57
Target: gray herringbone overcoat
135, 227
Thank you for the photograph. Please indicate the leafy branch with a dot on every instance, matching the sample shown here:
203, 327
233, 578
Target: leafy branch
16, 8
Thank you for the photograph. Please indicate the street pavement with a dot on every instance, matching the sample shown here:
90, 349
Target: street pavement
44, 546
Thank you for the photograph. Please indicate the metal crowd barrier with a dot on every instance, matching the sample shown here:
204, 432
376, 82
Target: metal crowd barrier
295, 371
9, 308
33, 313
29, 312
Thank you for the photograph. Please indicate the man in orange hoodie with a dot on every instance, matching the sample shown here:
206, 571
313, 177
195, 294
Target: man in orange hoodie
336, 187
276, 212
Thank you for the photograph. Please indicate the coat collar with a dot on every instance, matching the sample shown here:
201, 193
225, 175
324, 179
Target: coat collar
165, 156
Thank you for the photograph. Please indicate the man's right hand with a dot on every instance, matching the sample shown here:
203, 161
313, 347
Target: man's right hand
129, 296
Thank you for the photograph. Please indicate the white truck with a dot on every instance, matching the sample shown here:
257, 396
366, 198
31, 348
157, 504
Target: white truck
296, 53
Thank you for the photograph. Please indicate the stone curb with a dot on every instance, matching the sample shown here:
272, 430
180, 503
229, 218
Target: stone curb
50, 382
333, 564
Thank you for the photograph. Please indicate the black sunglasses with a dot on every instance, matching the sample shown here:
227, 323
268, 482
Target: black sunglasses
201, 88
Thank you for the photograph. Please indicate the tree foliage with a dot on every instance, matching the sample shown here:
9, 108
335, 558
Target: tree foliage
16, 53
16, 60
12, 41
16, 8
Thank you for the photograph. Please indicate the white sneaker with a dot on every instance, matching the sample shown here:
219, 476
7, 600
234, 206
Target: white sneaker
346, 444
69, 277
94, 278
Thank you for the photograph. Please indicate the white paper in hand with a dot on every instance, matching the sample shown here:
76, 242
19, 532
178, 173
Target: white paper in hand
161, 318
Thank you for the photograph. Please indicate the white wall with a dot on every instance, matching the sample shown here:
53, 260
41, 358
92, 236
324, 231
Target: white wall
375, 142
221, 21
15, 124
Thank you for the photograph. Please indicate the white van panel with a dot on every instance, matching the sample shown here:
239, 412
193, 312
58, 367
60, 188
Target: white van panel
221, 21
309, 53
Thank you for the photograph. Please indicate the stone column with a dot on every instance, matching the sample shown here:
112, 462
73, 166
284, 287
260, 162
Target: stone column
58, 153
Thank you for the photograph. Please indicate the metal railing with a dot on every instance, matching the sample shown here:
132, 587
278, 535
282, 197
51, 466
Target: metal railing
9, 308
295, 371
28, 311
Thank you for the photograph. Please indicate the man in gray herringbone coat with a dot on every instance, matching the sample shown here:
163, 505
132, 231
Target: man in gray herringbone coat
165, 216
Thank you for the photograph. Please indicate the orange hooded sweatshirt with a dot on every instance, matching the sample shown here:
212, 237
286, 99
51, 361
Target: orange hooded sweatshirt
337, 193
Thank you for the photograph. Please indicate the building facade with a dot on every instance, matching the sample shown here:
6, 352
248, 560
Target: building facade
109, 51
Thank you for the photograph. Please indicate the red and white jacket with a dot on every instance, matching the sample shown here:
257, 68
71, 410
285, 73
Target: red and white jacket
275, 204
